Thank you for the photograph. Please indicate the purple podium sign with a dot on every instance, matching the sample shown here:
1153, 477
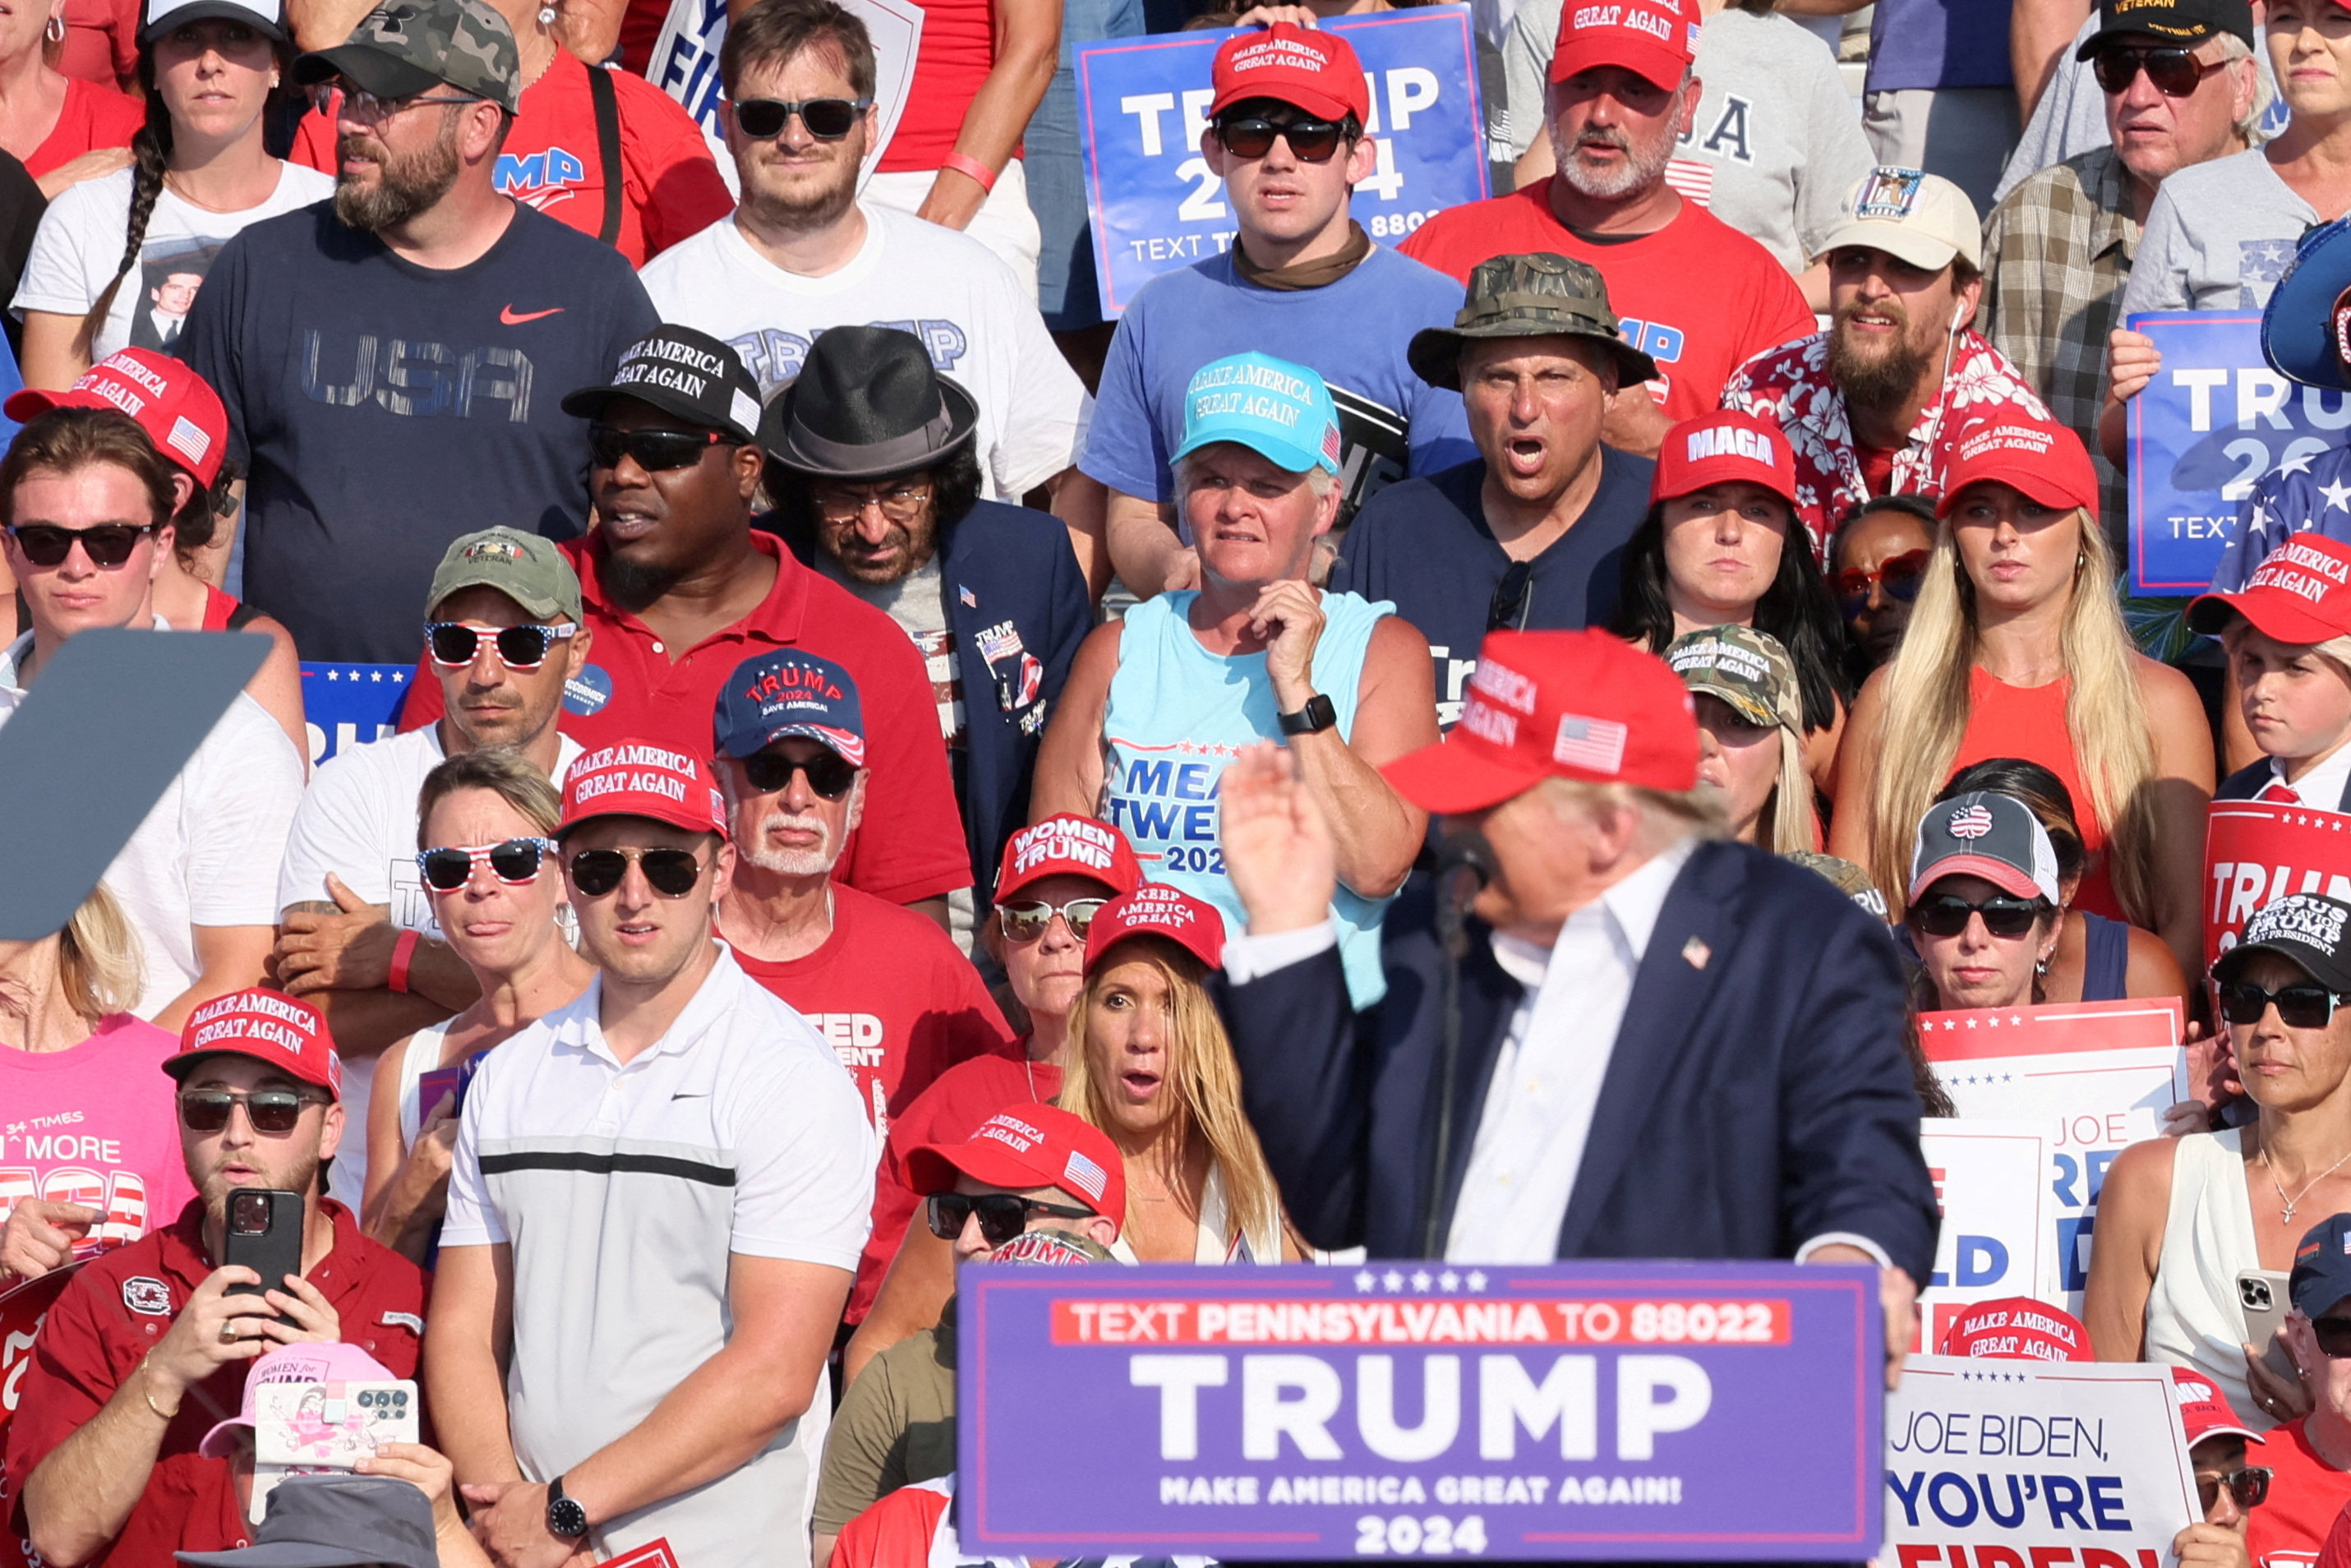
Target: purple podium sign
1574, 1410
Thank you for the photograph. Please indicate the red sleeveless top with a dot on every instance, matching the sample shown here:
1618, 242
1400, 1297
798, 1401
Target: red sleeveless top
2029, 722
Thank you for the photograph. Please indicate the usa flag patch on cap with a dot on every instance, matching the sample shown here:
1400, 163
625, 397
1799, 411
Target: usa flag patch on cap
188, 439
1594, 743
1085, 1176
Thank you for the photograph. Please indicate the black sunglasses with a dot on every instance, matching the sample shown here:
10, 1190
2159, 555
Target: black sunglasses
2249, 1487
1027, 922
827, 119
2303, 1004
108, 544
829, 774
656, 451
2174, 71
451, 867
272, 1111
1946, 914
454, 642
1002, 1215
2334, 1336
1253, 135
1507, 611
670, 873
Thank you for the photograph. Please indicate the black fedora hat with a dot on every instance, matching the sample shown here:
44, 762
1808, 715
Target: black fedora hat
866, 404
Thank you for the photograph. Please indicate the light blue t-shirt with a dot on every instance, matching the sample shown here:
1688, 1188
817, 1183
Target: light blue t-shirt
1352, 333
1178, 713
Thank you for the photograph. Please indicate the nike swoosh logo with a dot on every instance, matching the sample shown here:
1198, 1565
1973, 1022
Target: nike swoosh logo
510, 317
703, 1095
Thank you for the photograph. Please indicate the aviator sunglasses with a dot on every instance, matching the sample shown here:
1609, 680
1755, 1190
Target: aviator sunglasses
670, 873
2174, 71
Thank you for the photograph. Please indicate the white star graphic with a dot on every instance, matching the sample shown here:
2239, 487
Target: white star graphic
375, 674
1420, 1280
2338, 496
334, 674
399, 677
1477, 1280
1392, 1281
1449, 1281
2297, 464
1364, 1281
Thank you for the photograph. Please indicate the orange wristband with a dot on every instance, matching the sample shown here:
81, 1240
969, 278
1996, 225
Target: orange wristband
979, 171
403, 952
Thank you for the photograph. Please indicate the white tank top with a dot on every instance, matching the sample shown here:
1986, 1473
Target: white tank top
2193, 1317
1215, 1216
423, 1054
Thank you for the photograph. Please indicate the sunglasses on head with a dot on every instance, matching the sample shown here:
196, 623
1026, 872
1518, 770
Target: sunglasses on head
2249, 1487
1002, 1215
272, 1111
1253, 135
454, 643
655, 451
670, 873
2174, 71
1901, 577
451, 867
2305, 1004
1946, 914
1027, 922
829, 774
827, 119
108, 544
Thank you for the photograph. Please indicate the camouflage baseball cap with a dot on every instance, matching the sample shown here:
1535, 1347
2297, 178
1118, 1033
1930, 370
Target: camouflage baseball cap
1745, 668
524, 566
1537, 295
1849, 878
403, 47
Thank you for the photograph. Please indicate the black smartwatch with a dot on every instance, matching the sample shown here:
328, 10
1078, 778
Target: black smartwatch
565, 1517
1319, 714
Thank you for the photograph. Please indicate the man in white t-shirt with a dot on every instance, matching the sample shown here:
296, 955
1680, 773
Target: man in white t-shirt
88, 501
802, 254
359, 942
659, 1195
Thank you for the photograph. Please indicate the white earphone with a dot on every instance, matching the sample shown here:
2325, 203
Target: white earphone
1958, 314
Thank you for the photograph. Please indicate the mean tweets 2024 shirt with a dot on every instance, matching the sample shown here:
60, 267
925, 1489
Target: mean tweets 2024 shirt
382, 408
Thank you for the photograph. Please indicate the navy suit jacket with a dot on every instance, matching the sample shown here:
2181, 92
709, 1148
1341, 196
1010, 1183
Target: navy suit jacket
1760, 1093
1012, 585
2250, 781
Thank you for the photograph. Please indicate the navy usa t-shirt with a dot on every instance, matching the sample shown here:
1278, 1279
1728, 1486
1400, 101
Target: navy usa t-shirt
382, 408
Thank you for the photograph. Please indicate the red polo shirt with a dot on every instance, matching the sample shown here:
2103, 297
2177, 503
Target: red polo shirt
911, 846
120, 1305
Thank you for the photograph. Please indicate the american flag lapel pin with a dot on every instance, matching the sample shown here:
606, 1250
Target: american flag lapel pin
1694, 952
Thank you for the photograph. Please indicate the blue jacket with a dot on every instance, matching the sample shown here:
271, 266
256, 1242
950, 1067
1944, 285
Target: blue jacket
2247, 783
1759, 1094
1012, 588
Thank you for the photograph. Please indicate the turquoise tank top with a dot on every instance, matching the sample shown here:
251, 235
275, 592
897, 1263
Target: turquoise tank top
1178, 713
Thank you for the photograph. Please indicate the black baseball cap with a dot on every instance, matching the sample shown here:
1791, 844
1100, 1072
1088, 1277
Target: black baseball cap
685, 372
2322, 1267
2181, 23
2306, 929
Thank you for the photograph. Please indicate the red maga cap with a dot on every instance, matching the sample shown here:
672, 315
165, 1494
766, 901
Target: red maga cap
176, 407
1314, 70
643, 778
1025, 1146
2301, 594
1155, 909
2018, 1328
2046, 463
1067, 844
1715, 448
288, 1034
2204, 1409
1653, 39
1556, 705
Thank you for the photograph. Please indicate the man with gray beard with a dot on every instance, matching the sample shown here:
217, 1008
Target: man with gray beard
392, 360
1874, 405
885, 987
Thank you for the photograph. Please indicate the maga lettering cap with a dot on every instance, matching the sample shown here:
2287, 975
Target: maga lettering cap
2045, 463
777, 696
404, 47
336, 1522
283, 1032
641, 778
2017, 1328
1538, 295
1911, 216
1316, 72
176, 407
689, 374
2306, 929
1067, 844
1995, 837
1155, 909
1653, 39
1279, 411
1745, 668
526, 567
1721, 448
2300, 594
2204, 1409
1556, 705
1030, 1146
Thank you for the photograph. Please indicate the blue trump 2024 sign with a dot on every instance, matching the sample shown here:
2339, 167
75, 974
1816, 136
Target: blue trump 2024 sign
1155, 203
350, 704
2214, 419
1574, 1410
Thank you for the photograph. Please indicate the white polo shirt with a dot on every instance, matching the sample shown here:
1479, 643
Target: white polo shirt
623, 1191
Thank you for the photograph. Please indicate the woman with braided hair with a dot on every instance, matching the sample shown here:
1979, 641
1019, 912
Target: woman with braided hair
118, 260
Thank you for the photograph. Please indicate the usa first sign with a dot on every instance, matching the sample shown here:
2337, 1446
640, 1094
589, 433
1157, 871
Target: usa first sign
1578, 1410
1155, 203
2214, 419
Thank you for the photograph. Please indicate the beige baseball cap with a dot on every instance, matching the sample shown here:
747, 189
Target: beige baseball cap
1912, 215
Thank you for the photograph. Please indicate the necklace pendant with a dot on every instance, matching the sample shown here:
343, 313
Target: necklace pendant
2287, 1213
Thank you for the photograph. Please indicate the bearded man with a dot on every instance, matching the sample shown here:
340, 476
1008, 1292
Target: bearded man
1874, 405
393, 363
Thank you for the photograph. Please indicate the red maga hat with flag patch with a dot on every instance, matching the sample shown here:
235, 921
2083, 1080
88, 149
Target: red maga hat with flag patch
2044, 462
1027, 1146
2301, 594
283, 1032
643, 778
176, 407
1654, 39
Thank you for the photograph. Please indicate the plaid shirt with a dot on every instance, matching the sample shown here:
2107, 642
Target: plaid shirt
2056, 255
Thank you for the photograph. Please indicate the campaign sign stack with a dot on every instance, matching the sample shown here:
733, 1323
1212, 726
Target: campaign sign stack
1563, 1411
351, 704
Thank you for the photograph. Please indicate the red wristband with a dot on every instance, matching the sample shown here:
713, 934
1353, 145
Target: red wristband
404, 952
971, 166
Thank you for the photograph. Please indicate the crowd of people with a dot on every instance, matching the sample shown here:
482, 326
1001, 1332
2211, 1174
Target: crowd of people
900, 772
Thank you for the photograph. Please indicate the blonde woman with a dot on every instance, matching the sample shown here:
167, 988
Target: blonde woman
1751, 724
1150, 1065
71, 1055
2015, 648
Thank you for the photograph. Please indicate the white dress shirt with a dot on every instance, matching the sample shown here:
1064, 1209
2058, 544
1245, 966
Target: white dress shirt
2322, 787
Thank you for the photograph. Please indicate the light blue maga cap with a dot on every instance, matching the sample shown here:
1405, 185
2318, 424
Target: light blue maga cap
1281, 410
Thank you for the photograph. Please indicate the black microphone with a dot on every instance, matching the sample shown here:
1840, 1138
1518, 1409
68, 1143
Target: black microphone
1465, 864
